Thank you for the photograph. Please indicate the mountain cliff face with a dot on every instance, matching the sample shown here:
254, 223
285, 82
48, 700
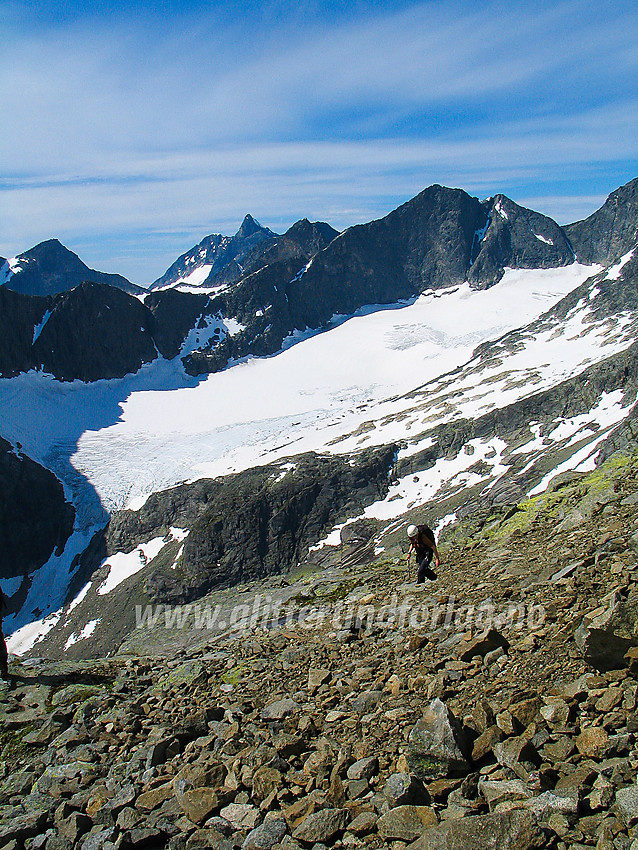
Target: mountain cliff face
441, 238
35, 518
50, 268
518, 238
611, 231
91, 332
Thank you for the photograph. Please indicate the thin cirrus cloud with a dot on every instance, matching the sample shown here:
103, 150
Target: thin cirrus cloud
129, 125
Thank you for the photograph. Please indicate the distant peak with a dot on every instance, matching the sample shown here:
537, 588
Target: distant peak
249, 226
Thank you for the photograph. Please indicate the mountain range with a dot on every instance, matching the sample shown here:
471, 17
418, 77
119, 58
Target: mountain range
272, 395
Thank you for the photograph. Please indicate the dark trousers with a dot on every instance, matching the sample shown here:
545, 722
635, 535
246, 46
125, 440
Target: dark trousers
424, 570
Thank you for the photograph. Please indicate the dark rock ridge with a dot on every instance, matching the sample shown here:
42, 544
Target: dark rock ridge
440, 238
50, 268
272, 286
611, 231
35, 518
93, 331
253, 247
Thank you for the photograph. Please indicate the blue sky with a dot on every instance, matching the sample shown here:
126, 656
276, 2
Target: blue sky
131, 130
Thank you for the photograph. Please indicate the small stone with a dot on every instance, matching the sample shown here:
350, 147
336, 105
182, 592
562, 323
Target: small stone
279, 709
363, 824
149, 800
242, 815
483, 715
515, 830
403, 789
627, 803
264, 837
317, 676
496, 792
437, 744
556, 711
482, 644
363, 768
366, 702
265, 781
393, 685
484, 744
199, 804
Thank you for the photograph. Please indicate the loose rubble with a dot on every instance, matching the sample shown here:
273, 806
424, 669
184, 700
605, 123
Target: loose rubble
374, 734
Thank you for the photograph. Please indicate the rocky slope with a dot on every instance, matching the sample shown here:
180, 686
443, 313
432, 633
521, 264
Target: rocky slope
50, 268
351, 709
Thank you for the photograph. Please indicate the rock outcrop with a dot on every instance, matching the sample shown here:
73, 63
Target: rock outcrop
611, 231
35, 518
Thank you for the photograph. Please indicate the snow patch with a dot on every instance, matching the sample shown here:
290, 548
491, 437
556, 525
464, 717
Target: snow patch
26, 637
123, 566
79, 598
233, 326
301, 273
197, 277
544, 239
613, 273
86, 632
498, 206
10, 585
37, 330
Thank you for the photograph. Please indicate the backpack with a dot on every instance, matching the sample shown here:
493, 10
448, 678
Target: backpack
428, 532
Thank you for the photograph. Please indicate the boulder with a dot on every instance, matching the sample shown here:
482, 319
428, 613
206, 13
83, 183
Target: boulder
321, 826
279, 709
437, 745
627, 804
402, 789
265, 836
406, 823
516, 830
482, 645
608, 633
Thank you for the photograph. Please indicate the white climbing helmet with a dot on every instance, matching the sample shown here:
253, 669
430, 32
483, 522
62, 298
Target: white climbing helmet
412, 531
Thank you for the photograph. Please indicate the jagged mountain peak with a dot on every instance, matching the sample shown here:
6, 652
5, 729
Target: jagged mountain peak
249, 226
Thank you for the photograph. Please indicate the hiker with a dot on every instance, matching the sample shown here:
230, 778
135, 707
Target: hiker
422, 542
4, 658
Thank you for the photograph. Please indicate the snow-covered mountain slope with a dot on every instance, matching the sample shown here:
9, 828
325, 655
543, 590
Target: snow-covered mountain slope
159, 427
461, 391
113, 443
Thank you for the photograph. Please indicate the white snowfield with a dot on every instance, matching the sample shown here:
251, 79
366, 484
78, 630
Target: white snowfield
112, 443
